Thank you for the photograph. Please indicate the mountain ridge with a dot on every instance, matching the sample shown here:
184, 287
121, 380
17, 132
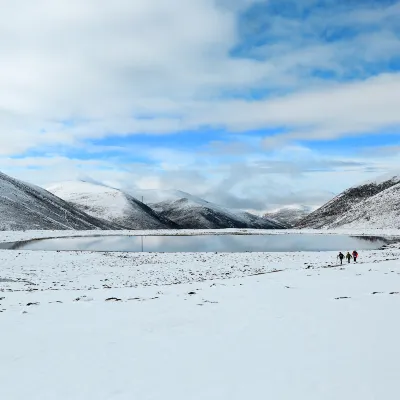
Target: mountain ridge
24, 206
193, 212
355, 203
113, 205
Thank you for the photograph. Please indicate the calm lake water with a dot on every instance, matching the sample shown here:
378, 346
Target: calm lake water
223, 243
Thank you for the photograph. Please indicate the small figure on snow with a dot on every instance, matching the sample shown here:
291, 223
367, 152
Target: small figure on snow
355, 255
348, 257
340, 256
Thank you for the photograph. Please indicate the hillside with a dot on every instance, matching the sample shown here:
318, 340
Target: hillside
379, 211
373, 204
110, 204
195, 213
26, 207
289, 215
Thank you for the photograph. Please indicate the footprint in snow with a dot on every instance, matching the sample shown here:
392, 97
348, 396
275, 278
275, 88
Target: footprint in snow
83, 298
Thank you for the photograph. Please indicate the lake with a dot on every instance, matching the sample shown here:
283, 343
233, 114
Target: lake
205, 243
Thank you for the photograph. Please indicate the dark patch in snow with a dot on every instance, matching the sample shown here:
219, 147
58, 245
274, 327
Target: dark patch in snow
113, 299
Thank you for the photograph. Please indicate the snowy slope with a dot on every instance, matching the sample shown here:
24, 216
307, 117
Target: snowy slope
289, 215
379, 211
193, 212
110, 204
355, 204
24, 206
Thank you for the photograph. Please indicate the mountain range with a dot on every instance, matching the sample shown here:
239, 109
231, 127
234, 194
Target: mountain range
84, 205
177, 209
192, 212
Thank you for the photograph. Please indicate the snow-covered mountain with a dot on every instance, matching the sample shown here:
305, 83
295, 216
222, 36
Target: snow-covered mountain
373, 204
379, 211
190, 211
27, 207
289, 215
110, 204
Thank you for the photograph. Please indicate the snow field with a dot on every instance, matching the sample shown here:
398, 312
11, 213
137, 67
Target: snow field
308, 331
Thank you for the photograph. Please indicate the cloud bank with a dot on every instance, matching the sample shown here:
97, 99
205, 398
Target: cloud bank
249, 88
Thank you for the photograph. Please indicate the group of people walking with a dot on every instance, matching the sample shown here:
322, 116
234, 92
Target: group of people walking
348, 256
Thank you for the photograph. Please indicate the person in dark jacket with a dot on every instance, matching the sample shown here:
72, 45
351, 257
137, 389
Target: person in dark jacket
340, 257
355, 255
348, 257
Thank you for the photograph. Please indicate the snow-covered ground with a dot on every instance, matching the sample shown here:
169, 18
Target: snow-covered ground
198, 325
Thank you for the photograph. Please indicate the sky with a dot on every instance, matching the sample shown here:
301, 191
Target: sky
251, 104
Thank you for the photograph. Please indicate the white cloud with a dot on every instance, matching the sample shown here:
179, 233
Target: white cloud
74, 70
341, 109
105, 65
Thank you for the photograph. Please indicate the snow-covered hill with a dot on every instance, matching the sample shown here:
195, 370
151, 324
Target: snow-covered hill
379, 211
190, 211
289, 215
25, 207
373, 204
110, 204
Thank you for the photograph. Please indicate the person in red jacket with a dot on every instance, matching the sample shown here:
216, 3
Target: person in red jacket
355, 255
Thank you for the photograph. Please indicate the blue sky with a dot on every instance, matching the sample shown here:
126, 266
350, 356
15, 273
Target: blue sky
251, 104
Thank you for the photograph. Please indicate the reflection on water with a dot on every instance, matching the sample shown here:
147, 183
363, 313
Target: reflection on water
223, 243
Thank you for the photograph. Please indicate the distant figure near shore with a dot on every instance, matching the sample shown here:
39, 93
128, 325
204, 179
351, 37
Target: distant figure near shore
355, 255
340, 256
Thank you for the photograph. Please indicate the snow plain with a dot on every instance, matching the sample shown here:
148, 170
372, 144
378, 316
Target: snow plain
198, 325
